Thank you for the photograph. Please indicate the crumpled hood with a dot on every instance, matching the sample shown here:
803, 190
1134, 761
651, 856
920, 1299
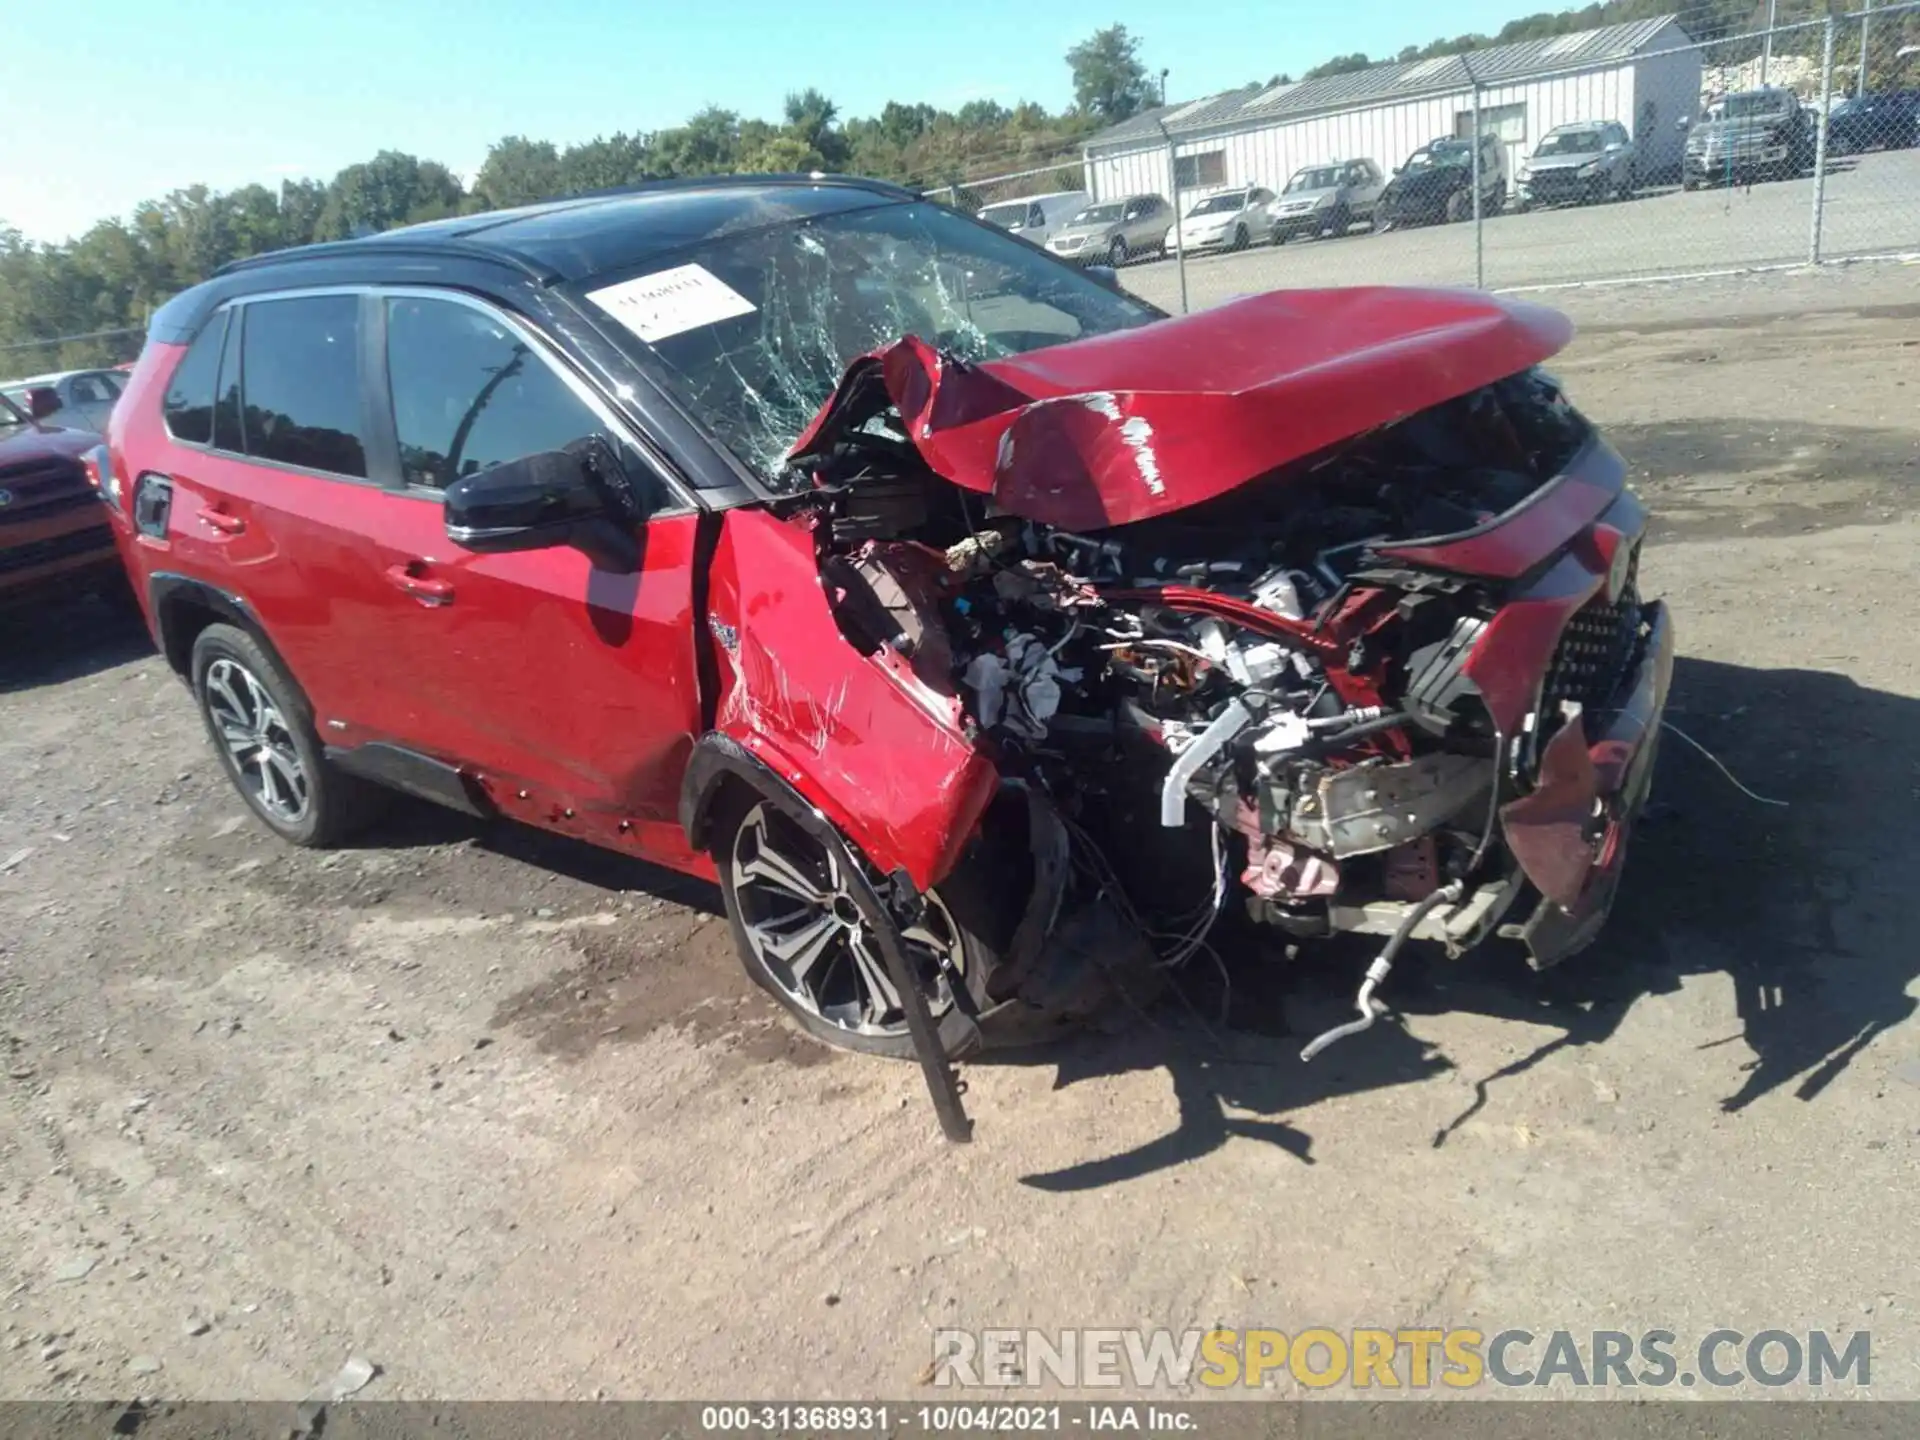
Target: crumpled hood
1742, 128
1540, 164
1123, 427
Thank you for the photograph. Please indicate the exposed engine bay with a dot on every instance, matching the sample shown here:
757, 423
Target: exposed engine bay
1265, 695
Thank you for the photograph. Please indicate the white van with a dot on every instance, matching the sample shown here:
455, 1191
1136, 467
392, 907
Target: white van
1036, 216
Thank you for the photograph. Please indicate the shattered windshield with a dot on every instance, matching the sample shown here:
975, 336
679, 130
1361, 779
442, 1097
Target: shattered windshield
1571, 142
1322, 179
1747, 107
763, 324
1446, 152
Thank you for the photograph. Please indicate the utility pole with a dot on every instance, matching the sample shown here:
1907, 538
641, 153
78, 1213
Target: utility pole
1766, 55
1163, 86
1173, 183
1866, 10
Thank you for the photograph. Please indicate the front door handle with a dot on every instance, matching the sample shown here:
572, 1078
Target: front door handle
427, 591
226, 524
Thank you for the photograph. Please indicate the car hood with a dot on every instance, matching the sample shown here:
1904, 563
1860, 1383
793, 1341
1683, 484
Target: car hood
1441, 177
1090, 231
1539, 163
1123, 427
30, 443
1749, 125
1309, 197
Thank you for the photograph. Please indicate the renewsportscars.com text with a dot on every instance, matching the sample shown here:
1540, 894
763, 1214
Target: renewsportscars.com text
1411, 1358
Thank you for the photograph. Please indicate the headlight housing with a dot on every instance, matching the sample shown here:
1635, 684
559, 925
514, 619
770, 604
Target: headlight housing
1591, 169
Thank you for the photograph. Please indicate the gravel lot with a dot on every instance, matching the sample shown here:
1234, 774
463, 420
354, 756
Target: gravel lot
1872, 207
501, 1116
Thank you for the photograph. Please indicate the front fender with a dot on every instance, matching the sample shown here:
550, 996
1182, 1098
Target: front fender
861, 738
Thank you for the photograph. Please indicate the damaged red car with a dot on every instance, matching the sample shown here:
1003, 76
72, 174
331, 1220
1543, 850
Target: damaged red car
983, 631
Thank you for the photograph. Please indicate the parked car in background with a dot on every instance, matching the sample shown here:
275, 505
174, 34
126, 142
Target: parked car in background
1114, 231
86, 397
1225, 220
705, 523
1877, 120
1037, 216
1751, 135
1325, 200
1579, 164
54, 535
1436, 183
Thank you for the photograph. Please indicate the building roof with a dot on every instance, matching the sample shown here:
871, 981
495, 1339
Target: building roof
1377, 84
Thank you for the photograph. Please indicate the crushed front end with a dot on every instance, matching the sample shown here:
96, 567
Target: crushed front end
1404, 684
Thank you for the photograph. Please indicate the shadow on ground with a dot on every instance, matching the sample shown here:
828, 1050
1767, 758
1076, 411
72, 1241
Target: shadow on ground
50, 644
1802, 906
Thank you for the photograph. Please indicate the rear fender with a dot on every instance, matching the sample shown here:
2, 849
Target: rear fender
863, 739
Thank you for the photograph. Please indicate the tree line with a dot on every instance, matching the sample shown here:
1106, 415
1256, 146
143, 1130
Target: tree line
103, 285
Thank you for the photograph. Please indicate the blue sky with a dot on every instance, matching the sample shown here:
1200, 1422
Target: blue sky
111, 102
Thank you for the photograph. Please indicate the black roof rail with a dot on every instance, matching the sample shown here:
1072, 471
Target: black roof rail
394, 243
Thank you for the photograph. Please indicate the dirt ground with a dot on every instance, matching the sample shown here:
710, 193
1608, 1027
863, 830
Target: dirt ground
501, 1116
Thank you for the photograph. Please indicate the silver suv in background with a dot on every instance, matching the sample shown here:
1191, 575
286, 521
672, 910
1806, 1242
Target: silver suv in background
1326, 200
1036, 217
1580, 163
1114, 231
86, 397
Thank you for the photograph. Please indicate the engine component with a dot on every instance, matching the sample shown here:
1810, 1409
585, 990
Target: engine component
1173, 793
1436, 678
1372, 807
1370, 1009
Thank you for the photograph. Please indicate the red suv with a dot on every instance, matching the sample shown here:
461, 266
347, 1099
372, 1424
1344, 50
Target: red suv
54, 536
982, 630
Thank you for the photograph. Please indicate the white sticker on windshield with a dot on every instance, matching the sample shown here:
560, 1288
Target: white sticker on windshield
671, 302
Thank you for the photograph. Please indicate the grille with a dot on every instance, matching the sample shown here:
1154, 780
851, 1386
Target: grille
1595, 650
60, 547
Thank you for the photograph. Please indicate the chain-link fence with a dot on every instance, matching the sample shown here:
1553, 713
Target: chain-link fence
1793, 144
96, 349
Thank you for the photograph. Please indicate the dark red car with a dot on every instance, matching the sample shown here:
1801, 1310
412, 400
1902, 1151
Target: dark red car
983, 631
55, 539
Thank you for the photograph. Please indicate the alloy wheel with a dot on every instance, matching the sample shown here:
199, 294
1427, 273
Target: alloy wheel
258, 741
800, 920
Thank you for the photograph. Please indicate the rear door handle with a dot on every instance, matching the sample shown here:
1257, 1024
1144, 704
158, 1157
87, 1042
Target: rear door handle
226, 524
428, 592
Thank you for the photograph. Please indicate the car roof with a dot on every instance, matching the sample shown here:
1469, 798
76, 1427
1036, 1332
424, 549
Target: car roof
589, 235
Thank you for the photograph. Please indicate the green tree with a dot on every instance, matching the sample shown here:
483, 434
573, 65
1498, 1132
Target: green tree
708, 144
811, 119
1109, 80
391, 189
604, 163
518, 171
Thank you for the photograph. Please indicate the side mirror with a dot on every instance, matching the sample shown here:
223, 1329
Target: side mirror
539, 502
42, 401
1105, 275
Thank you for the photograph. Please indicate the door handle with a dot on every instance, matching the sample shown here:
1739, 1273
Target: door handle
226, 524
426, 591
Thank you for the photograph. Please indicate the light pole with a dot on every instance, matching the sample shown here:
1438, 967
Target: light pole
1766, 55
1866, 9
1163, 85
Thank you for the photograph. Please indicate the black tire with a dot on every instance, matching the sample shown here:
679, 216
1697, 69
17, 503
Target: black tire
1240, 237
1689, 183
1459, 206
969, 898
335, 804
1339, 222
1117, 252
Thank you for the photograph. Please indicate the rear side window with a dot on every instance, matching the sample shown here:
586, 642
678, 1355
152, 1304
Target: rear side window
469, 394
188, 405
300, 391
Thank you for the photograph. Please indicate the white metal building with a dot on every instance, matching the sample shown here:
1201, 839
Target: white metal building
1645, 74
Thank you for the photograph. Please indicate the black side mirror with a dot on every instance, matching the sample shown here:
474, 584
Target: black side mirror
539, 502
1104, 275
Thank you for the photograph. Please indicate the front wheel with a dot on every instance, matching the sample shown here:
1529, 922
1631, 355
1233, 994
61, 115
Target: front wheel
1240, 238
804, 939
1339, 222
1458, 207
1117, 252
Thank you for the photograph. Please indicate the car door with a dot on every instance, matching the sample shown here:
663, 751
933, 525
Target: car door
1367, 185
575, 683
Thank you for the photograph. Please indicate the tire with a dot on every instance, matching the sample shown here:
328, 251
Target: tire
1117, 252
1459, 206
838, 997
1240, 238
1339, 222
1689, 183
261, 727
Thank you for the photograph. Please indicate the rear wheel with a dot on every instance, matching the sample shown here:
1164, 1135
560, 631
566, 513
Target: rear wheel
804, 940
263, 733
